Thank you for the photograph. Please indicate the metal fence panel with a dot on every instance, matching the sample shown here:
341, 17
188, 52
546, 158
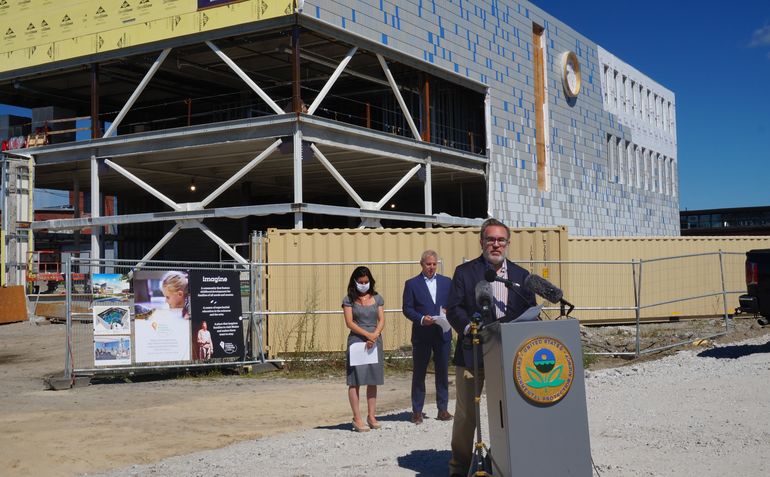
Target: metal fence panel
304, 311
297, 279
116, 351
312, 267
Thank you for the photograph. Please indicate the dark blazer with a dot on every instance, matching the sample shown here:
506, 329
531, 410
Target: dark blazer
462, 300
418, 303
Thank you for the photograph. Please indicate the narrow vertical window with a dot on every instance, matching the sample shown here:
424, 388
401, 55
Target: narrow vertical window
670, 118
674, 184
621, 161
611, 158
630, 159
647, 169
626, 99
540, 119
661, 163
606, 84
638, 160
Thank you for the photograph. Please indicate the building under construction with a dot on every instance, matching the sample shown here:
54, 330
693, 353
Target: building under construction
207, 120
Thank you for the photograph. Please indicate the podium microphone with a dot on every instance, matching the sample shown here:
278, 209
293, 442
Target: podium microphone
491, 276
543, 288
484, 294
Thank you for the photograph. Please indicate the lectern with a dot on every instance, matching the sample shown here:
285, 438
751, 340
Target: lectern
536, 400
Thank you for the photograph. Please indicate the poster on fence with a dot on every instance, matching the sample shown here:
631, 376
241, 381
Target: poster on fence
110, 287
111, 320
112, 350
161, 316
215, 299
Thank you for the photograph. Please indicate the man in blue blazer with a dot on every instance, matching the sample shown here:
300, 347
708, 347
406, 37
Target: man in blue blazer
509, 303
424, 297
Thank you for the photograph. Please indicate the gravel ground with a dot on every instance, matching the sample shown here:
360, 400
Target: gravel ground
702, 412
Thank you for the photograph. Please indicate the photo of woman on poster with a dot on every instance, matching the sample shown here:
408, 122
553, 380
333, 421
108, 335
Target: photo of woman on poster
162, 316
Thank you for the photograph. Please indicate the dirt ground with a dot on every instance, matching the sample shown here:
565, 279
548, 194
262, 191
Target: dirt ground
105, 426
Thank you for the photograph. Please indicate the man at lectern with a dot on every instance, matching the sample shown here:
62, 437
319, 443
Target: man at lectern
509, 301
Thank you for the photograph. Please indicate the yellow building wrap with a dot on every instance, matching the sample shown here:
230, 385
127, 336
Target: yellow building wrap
36, 32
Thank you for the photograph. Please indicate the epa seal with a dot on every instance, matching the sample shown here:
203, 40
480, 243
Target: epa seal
543, 370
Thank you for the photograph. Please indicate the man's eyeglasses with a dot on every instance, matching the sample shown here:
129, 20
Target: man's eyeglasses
495, 240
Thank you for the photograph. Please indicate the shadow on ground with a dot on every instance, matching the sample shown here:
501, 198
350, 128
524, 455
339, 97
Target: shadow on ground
735, 351
348, 426
426, 463
400, 417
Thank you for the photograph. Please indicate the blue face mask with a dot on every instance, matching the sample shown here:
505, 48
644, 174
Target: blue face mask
362, 288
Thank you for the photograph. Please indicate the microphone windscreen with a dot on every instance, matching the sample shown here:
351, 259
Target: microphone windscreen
490, 275
542, 287
484, 293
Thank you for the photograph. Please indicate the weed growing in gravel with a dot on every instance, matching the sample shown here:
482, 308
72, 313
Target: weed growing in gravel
588, 359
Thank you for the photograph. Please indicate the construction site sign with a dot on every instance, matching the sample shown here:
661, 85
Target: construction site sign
36, 32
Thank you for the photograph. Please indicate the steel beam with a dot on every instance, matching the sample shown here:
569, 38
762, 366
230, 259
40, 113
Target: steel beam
399, 98
225, 212
397, 187
242, 75
328, 86
297, 174
154, 192
95, 208
222, 244
251, 210
242, 172
161, 243
337, 176
138, 91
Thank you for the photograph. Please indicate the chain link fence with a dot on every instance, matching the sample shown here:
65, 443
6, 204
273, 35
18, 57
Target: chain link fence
127, 316
634, 294
292, 309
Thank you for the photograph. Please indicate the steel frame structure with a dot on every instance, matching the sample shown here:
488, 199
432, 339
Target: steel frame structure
264, 134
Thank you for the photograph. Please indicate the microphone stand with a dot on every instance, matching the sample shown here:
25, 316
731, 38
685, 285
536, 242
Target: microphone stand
565, 305
478, 462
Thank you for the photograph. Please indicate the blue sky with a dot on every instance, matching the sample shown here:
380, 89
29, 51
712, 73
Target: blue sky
715, 57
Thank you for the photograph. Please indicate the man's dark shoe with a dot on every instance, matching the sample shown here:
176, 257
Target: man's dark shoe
416, 418
444, 416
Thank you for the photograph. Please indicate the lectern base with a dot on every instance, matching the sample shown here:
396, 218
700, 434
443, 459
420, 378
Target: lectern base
538, 420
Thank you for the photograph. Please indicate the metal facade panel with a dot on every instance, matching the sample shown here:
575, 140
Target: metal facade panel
491, 42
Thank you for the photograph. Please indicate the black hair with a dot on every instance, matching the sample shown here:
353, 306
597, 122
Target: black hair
358, 273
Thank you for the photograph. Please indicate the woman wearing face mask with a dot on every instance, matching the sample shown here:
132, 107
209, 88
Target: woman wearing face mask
364, 316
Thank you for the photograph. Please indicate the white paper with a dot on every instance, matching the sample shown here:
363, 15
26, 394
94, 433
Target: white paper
359, 355
442, 322
530, 314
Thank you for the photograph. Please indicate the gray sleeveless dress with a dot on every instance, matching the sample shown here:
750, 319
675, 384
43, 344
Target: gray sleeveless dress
366, 318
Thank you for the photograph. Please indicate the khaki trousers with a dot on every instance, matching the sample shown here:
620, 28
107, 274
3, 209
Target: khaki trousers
464, 424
